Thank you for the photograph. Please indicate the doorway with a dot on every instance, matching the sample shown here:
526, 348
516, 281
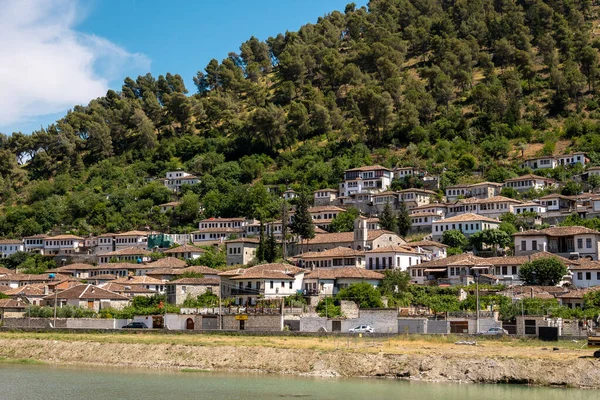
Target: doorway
242, 325
189, 324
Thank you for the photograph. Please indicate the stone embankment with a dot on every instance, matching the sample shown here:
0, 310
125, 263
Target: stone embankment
433, 366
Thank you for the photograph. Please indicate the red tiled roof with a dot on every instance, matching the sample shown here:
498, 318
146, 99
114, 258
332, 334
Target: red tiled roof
343, 272
558, 231
86, 292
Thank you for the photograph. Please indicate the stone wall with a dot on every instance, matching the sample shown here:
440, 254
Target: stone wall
96, 323
349, 309
383, 320
264, 323
313, 324
34, 323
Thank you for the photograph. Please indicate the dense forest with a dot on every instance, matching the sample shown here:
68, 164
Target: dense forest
448, 85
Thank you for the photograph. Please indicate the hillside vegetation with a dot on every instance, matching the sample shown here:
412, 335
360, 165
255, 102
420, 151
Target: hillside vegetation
448, 85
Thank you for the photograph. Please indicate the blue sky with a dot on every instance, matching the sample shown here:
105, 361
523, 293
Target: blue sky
100, 42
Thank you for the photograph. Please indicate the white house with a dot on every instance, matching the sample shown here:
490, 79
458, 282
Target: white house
168, 206
431, 250
422, 221
558, 202
241, 251
217, 230
176, 179
586, 274
468, 224
416, 197
530, 207
329, 281
529, 182
336, 257
62, 244
567, 241
268, 281
290, 194
371, 179
392, 257
572, 159
35, 243
137, 239
9, 247
481, 190
186, 252
545, 162
324, 197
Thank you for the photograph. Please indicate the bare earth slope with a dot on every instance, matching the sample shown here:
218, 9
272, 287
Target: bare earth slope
490, 362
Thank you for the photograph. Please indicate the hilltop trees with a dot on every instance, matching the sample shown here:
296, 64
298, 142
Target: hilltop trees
450, 87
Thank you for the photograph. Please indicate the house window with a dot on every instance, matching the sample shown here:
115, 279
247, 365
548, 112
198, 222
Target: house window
271, 283
588, 276
282, 284
523, 245
514, 270
580, 276
580, 243
291, 283
598, 275
588, 243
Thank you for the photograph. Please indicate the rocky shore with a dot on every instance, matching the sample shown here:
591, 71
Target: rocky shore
582, 372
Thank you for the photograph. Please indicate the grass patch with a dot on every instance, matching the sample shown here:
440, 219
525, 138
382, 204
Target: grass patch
27, 361
194, 370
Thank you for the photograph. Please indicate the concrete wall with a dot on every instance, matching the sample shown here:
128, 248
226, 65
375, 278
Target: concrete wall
313, 324
254, 323
383, 320
439, 327
96, 323
412, 325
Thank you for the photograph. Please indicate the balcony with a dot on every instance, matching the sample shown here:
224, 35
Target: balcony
246, 291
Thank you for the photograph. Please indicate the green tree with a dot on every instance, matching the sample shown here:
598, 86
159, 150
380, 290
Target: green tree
491, 237
543, 271
403, 220
454, 238
571, 188
302, 224
387, 219
213, 257
344, 221
363, 294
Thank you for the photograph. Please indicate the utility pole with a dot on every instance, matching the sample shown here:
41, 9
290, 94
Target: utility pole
220, 309
477, 295
55, 300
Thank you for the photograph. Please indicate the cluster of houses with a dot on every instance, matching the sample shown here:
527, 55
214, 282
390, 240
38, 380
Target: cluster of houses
104, 271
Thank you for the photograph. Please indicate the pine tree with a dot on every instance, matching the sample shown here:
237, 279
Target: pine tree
387, 219
272, 249
260, 251
403, 220
302, 224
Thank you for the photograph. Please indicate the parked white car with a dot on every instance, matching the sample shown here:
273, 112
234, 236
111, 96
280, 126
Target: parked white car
494, 332
362, 329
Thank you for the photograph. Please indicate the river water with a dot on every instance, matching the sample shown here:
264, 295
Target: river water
45, 382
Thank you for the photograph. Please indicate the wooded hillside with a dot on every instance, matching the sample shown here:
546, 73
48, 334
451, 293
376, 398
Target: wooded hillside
455, 86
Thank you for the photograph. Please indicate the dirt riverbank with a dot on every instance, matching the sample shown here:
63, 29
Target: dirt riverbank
420, 360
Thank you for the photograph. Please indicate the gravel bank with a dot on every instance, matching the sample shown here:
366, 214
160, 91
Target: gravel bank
581, 372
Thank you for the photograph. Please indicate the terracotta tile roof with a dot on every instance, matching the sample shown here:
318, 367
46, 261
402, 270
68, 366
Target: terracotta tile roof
120, 288
196, 281
459, 259
345, 237
103, 277
12, 303
540, 292
166, 262
577, 293
368, 168
223, 219
498, 199
425, 214
335, 252
426, 243
422, 191
392, 249
127, 251
186, 248
468, 217
243, 240
200, 269
27, 290
133, 233
38, 236
318, 209
558, 231
86, 292
5, 271
431, 205
11, 241
38, 278
326, 190
63, 237
519, 260
115, 266
343, 272
529, 176
138, 280
486, 183
586, 265
74, 267
266, 271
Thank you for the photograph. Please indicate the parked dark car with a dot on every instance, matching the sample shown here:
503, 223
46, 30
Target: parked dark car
135, 325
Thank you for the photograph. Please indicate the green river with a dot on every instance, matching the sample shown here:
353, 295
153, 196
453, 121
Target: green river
45, 382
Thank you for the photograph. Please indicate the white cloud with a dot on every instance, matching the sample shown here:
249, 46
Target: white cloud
47, 66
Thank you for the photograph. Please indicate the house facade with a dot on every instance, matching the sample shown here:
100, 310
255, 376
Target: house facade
529, 182
336, 257
325, 197
392, 257
241, 251
329, 281
176, 179
468, 224
572, 242
9, 247
62, 244
181, 289
586, 274
371, 179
